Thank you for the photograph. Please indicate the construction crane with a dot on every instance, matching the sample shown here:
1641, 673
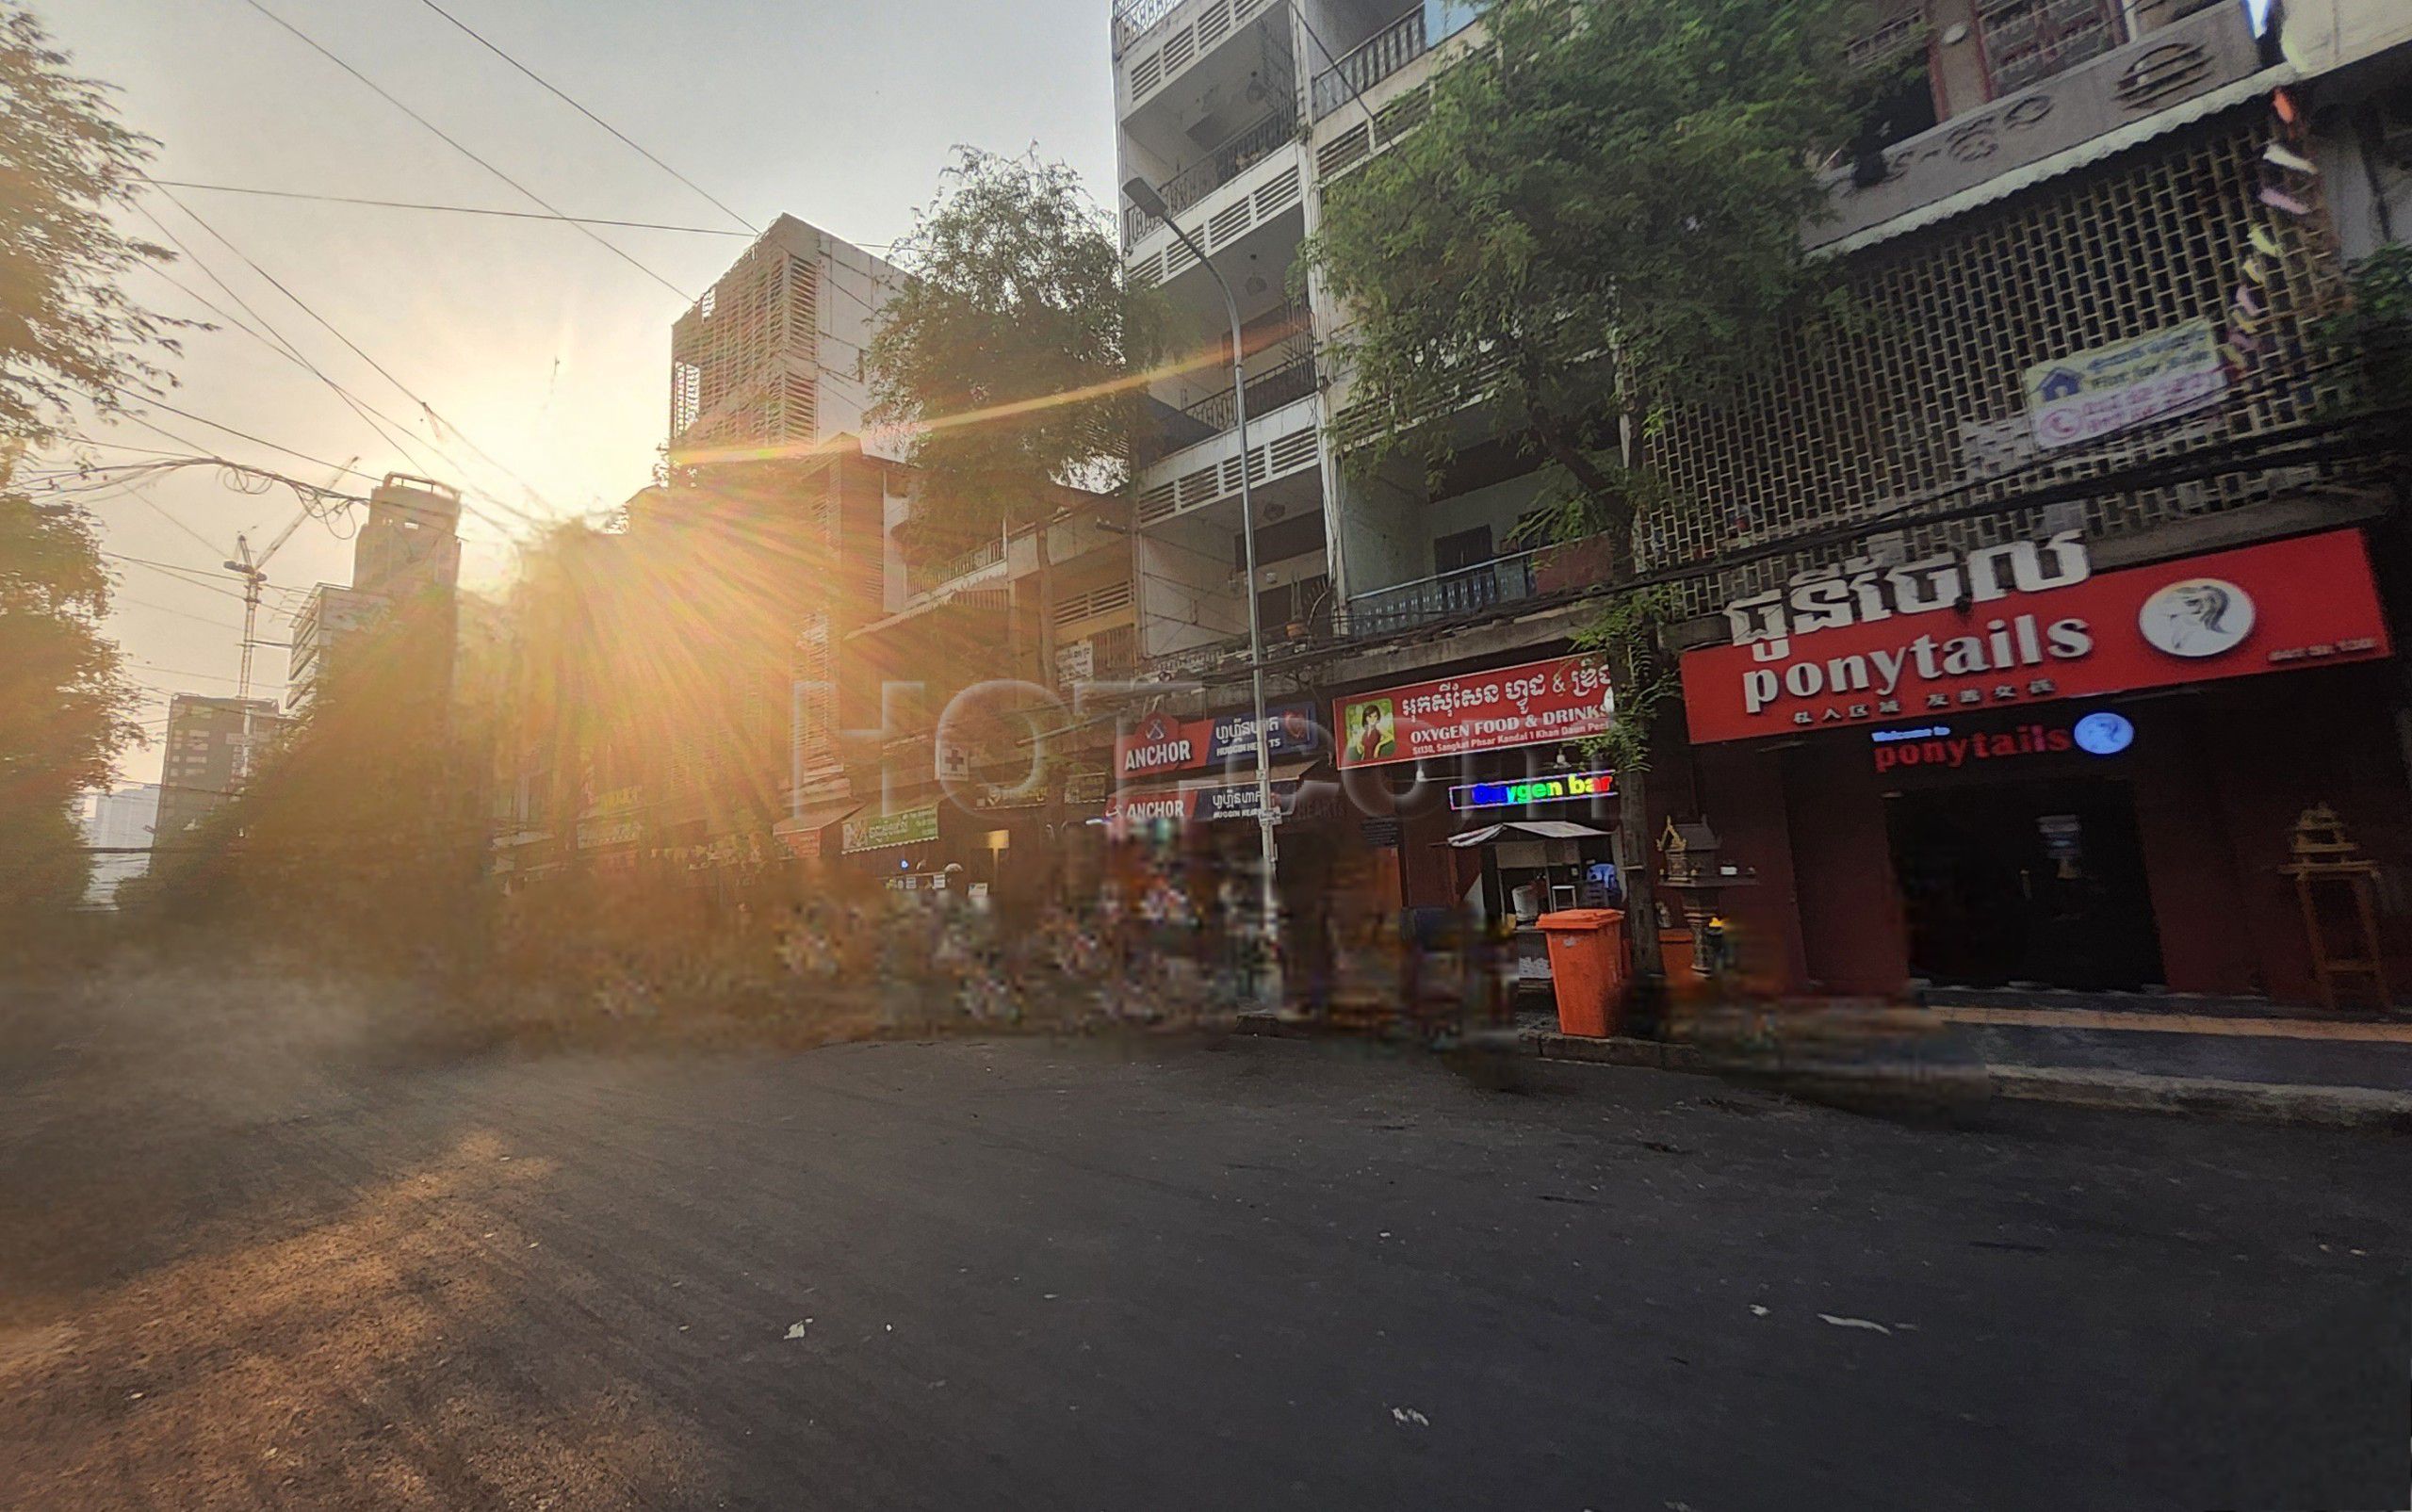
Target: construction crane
253, 572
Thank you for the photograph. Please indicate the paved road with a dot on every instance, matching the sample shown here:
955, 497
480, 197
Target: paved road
252, 1254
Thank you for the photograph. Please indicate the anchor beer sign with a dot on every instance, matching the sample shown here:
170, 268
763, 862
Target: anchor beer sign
1864, 641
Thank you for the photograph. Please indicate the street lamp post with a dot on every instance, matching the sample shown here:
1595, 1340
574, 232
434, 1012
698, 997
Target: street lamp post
1143, 194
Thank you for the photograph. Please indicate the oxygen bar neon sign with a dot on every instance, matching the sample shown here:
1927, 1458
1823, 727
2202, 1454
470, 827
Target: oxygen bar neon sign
1558, 787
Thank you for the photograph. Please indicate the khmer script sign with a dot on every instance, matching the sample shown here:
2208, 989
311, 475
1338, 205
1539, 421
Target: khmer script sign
2025, 623
2103, 389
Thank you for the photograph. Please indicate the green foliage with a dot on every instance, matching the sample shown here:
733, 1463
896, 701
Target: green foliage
2375, 331
1626, 631
1010, 353
70, 707
1600, 217
67, 330
357, 829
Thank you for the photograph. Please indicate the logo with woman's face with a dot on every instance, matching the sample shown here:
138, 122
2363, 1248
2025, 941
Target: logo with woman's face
2196, 617
1370, 731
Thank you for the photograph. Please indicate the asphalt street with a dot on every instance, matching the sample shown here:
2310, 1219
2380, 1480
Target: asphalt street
255, 1251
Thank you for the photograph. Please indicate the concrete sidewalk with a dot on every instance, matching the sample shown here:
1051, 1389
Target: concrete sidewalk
2266, 1065
2295, 1052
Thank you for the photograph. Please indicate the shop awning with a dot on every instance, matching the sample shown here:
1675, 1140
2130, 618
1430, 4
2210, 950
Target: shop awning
1526, 829
818, 816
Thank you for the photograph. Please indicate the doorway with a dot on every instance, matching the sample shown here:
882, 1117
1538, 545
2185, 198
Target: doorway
2026, 884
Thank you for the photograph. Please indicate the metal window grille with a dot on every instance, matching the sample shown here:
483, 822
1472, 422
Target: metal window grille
2026, 40
1923, 398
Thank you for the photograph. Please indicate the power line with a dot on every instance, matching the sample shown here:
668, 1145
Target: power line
447, 209
145, 603
175, 571
383, 370
384, 94
142, 498
557, 94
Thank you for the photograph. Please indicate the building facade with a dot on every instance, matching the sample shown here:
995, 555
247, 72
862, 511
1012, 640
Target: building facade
772, 356
680, 705
2099, 246
407, 554
970, 720
115, 824
211, 745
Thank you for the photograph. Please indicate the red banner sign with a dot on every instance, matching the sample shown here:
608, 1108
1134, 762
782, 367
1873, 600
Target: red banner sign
1564, 699
2265, 607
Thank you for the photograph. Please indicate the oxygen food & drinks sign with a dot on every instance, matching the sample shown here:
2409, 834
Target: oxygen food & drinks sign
1566, 699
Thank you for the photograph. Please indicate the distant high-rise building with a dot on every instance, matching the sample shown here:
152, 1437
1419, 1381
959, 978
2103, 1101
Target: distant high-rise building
115, 824
772, 354
210, 748
409, 547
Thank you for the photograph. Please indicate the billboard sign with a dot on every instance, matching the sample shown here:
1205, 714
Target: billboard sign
2309, 601
1566, 699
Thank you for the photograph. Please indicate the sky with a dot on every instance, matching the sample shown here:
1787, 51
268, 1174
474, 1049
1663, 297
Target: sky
536, 345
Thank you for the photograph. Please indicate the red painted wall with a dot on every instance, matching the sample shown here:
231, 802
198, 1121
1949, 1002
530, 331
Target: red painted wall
1853, 936
2219, 775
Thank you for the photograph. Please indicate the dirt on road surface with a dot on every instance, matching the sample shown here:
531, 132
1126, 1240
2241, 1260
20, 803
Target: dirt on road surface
264, 1245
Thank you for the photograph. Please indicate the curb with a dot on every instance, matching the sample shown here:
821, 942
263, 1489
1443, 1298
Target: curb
2273, 1103
2258, 1102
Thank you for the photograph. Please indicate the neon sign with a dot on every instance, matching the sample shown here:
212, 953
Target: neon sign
1558, 787
1936, 746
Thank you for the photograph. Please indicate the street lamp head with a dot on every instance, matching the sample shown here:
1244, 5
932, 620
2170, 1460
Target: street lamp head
1143, 194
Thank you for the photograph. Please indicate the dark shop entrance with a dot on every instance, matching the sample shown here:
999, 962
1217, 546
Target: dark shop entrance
2025, 883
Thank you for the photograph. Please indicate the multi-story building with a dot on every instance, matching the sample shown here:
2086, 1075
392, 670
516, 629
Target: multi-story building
973, 701
770, 361
211, 745
407, 553
2094, 246
724, 597
117, 825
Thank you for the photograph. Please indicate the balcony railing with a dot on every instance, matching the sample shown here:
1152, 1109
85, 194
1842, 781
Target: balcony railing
922, 580
1375, 59
1445, 596
1134, 17
1554, 571
1266, 392
1243, 151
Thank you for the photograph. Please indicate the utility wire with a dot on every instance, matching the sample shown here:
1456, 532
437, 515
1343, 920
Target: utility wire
392, 433
175, 572
116, 600
389, 98
383, 370
557, 94
447, 209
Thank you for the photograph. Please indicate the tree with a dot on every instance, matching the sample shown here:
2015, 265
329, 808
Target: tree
70, 708
67, 330
1008, 359
1597, 224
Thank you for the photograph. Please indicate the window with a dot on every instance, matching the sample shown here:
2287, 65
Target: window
2028, 40
1280, 541
1466, 548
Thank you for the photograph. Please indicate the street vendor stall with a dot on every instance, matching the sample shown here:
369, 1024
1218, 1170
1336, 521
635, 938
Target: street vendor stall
1531, 867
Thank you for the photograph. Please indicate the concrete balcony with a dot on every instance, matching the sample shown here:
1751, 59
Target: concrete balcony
1369, 64
2170, 76
1160, 44
1243, 149
1283, 443
1261, 204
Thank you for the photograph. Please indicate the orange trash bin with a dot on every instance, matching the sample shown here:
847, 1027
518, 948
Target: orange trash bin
1586, 969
